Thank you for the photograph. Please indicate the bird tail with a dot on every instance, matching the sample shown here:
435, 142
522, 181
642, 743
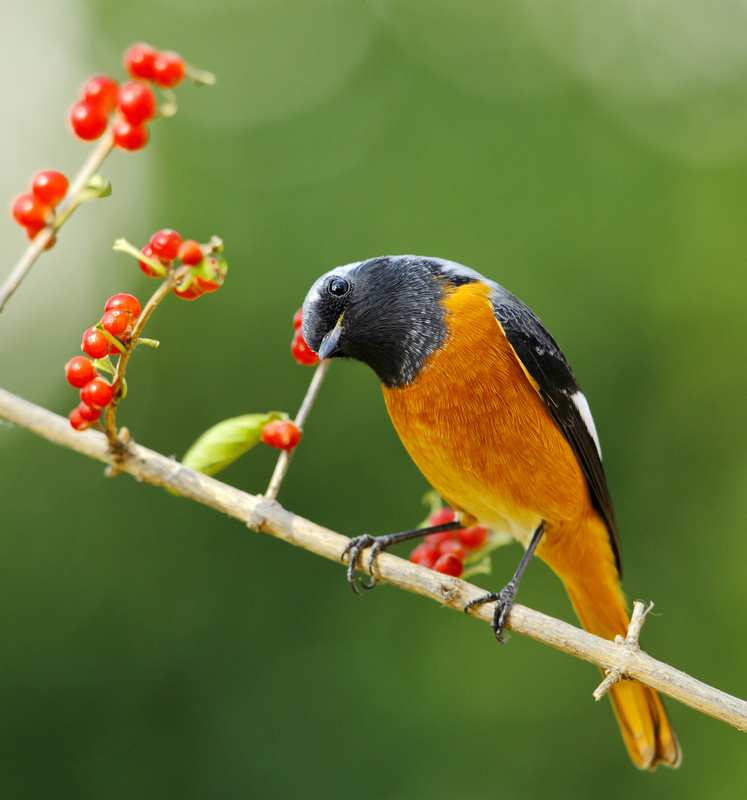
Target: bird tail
644, 724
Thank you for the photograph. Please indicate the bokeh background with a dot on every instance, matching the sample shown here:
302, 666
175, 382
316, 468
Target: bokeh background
590, 157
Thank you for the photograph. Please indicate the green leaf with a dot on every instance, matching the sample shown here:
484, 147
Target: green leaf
222, 444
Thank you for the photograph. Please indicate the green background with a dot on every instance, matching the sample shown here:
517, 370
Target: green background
591, 160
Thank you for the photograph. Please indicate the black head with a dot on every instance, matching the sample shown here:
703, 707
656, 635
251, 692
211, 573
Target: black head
383, 312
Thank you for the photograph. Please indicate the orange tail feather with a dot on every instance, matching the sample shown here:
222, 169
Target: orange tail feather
640, 713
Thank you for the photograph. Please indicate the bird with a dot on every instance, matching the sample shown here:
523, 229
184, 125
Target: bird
488, 408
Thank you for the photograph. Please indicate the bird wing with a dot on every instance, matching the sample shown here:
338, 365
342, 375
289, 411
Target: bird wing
551, 375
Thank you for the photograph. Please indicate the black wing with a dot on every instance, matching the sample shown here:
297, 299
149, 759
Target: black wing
545, 363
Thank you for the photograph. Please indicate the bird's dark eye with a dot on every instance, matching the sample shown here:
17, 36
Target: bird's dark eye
338, 287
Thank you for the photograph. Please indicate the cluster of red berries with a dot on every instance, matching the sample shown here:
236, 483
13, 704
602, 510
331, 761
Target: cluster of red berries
283, 435
446, 552
300, 350
109, 336
206, 272
134, 102
34, 210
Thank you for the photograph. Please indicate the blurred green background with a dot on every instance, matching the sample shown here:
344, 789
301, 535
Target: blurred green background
592, 159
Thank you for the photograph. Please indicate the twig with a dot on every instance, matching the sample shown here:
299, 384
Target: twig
147, 465
41, 240
285, 456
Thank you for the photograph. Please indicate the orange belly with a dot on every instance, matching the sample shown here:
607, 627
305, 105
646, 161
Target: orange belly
478, 430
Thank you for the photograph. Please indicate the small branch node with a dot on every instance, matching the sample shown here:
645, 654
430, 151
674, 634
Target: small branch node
611, 677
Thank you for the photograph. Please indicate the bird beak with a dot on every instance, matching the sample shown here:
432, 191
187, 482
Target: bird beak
331, 340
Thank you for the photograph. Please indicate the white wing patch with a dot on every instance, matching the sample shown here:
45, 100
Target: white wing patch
582, 405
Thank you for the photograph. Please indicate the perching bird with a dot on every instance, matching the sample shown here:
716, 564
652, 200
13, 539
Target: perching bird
488, 408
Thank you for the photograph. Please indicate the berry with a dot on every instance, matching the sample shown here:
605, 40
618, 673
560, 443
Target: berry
136, 102
301, 351
49, 187
190, 292
473, 538
124, 302
95, 343
190, 252
32, 233
442, 516
424, 555
128, 136
207, 286
101, 91
283, 435
449, 564
436, 539
115, 321
298, 319
88, 120
168, 70
148, 269
451, 546
165, 244
77, 421
79, 371
98, 393
138, 61
89, 413
29, 212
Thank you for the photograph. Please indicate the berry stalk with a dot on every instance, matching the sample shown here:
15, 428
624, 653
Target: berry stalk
71, 202
110, 426
285, 456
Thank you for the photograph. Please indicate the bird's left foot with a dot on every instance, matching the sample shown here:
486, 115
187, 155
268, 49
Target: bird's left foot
355, 547
503, 601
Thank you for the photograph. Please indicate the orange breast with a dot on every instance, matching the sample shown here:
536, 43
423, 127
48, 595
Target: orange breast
479, 432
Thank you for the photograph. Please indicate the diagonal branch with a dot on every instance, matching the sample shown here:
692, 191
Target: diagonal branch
269, 517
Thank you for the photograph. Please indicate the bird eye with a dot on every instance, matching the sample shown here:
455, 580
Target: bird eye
338, 287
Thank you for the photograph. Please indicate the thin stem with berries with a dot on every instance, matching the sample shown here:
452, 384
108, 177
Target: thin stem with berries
285, 456
44, 237
110, 426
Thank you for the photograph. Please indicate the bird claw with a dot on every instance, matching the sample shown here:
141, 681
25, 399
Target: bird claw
503, 601
354, 548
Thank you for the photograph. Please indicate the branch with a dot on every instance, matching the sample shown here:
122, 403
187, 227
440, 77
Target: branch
621, 659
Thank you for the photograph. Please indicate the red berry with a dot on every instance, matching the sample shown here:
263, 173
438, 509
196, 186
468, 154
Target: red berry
49, 187
101, 91
136, 102
449, 565
124, 302
168, 70
452, 546
95, 343
474, 538
283, 435
128, 136
191, 292
148, 269
190, 252
424, 555
79, 371
32, 233
301, 351
77, 421
98, 393
207, 286
442, 516
115, 321
436, 539
28, 211
298, 319
165, 244
89, 413
138, 61
88, 120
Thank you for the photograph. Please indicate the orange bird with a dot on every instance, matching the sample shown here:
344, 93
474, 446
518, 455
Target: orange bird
488, 408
